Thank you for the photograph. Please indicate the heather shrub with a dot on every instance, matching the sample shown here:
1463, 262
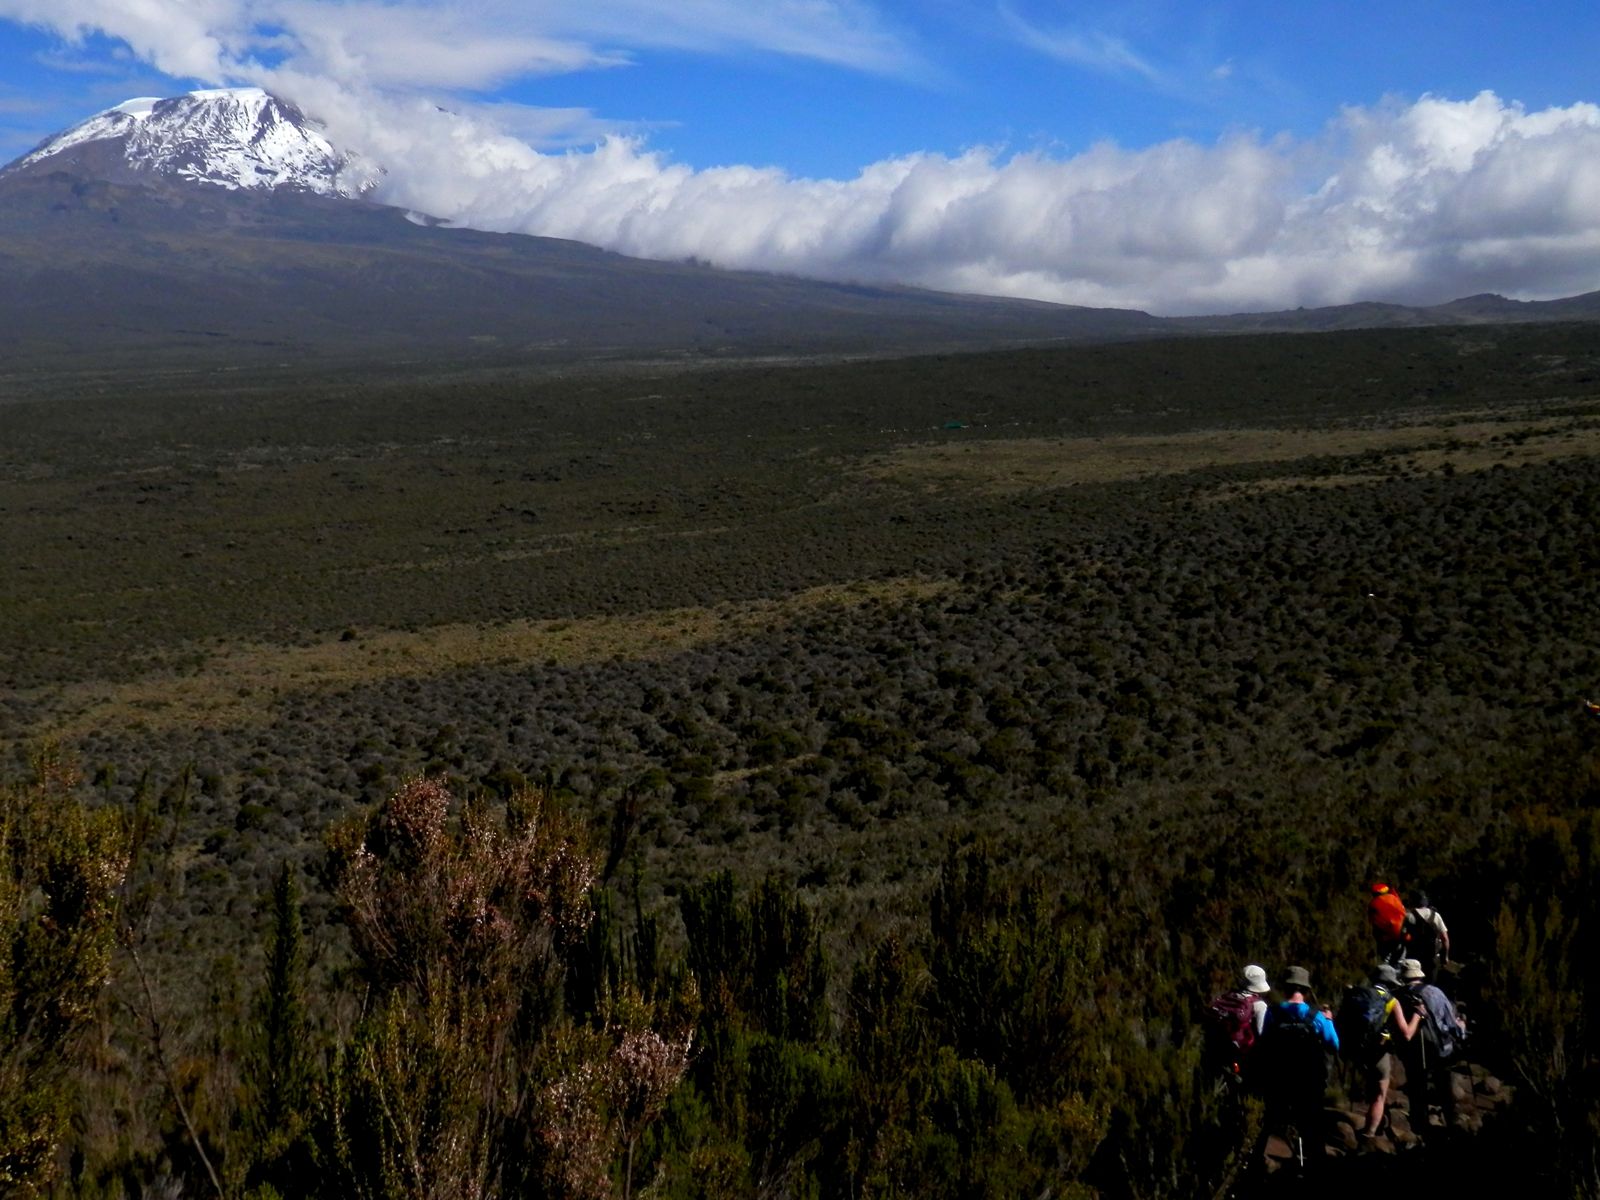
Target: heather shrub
467, 1075
61, 868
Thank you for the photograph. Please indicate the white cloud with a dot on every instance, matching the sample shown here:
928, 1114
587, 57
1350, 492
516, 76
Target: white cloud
847, 33
1418, 202
198, 39
422, 46
1080, 47
441, 44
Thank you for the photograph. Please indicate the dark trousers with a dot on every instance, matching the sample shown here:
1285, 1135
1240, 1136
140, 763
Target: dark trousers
1428, 1083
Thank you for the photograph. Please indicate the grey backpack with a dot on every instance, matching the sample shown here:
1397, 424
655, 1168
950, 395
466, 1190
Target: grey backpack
1439, 1025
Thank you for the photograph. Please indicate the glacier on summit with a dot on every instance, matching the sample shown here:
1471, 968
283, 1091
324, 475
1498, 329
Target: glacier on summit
229, 137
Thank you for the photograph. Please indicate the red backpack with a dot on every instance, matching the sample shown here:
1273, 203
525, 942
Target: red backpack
1387, 915
1230, 1028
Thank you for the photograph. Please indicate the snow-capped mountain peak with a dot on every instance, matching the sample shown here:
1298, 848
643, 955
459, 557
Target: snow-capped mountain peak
230, 137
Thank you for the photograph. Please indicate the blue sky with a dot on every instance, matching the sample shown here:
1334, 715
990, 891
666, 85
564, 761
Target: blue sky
1172, 156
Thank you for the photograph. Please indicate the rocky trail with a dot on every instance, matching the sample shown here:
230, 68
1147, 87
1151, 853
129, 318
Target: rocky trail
1409, 1149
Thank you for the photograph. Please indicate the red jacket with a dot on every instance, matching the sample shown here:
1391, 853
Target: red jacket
1387, 916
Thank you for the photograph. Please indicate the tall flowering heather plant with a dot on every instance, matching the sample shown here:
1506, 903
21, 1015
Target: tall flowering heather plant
61, 871
464, 1079
485, 905
607, 1088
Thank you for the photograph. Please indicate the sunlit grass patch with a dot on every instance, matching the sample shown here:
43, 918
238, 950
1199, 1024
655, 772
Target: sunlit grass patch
238, 683
1514, 448
1000, 466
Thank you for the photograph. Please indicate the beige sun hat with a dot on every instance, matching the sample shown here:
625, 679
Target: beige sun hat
1411, 970
1255, 979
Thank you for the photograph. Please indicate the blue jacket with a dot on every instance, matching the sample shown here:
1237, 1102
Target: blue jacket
1297, 1010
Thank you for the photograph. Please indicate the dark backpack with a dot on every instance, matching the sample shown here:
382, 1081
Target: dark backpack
1423, 942
1230, 1029
1292, 1056
1359, 1023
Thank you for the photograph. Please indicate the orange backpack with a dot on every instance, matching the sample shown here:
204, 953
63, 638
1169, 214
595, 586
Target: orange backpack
1387, 915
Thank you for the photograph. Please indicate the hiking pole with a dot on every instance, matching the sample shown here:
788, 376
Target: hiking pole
1461, 1050
1423, 1089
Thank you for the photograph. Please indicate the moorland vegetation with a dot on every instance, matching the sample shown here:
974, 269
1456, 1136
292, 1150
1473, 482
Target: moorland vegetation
811, 780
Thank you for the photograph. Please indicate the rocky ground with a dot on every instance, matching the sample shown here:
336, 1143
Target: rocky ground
1409, 1149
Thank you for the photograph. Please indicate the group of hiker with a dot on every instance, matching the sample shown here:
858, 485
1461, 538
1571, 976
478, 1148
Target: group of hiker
1283, 1049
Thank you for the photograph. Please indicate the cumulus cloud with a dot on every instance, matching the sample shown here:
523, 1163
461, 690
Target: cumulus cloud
1413, 202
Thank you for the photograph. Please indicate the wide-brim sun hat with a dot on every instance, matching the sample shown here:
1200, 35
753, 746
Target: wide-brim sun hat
1385, 973
1255, 980
1411, 970
1297, 977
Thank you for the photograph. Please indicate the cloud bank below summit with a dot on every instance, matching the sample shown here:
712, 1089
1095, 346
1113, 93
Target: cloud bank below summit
1415, 201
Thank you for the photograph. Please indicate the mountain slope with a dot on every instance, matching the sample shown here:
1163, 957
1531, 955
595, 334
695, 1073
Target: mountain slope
223, 226
90, 267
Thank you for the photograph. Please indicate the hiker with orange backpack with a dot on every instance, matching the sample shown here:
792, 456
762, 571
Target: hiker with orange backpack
1386, 914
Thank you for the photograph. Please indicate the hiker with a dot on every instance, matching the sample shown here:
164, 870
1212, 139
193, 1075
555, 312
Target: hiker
1366, 1017
1386, 914
1427, 937
1233, 1022
1432, 1031
1291, 1061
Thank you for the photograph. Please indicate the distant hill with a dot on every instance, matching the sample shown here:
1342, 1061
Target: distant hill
223, 228
1486, 309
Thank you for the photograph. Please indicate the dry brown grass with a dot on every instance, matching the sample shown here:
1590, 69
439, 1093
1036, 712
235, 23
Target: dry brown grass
1539, 446
1464, 440
239, 684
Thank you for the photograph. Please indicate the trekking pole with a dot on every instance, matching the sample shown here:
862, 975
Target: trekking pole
1424, 1088
1461, 1050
